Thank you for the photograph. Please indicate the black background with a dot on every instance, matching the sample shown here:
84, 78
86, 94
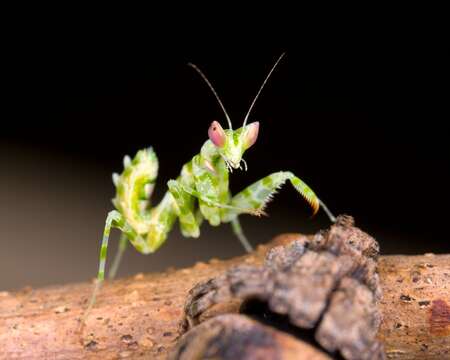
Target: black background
361, 119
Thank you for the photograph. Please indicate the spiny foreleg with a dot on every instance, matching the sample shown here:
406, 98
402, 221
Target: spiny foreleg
214, 203
258, 195
309, 195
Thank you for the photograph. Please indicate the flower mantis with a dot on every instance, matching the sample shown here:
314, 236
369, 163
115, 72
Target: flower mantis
199, 193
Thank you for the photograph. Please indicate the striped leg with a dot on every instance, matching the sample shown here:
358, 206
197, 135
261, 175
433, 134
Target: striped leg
114, 219
257, 195
123, 242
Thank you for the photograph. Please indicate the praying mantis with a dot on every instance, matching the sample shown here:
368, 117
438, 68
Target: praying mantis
200, 192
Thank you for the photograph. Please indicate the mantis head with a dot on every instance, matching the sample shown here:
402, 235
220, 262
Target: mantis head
231, 144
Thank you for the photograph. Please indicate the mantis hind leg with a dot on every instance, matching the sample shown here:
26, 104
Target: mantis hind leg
123, 242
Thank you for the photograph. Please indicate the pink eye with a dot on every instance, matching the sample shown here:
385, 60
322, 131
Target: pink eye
216, 134
251, 134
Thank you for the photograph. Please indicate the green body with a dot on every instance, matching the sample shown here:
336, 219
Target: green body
200, 192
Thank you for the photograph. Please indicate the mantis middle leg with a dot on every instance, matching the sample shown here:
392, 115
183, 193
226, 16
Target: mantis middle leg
237, 229
161, 221
113, 220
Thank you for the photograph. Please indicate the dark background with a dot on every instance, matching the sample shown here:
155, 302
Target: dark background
361, 121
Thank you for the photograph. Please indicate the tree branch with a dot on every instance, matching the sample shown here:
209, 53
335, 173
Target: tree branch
140, 317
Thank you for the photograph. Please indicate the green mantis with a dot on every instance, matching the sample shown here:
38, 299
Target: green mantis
199, 193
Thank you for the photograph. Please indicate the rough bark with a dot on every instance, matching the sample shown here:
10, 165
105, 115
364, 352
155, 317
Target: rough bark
322, 285
232, 337
140, 317
415, 306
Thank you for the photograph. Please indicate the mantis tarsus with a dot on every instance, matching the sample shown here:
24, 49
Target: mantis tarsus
200, 192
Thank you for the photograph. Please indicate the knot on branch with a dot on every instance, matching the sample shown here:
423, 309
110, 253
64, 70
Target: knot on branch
327, 283
233, 337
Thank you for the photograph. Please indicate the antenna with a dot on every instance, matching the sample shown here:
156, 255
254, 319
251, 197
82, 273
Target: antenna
213, 91
262, 86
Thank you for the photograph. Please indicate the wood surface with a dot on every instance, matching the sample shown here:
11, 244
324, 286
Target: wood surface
140, 317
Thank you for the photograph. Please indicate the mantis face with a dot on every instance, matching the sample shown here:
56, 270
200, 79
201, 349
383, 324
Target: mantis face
231, 144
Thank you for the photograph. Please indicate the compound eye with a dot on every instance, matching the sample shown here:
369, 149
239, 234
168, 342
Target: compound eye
216, 134
251, 134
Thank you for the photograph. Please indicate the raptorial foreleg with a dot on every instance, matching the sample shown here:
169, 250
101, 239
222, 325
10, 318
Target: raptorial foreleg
211, 202
258, 195
189, 224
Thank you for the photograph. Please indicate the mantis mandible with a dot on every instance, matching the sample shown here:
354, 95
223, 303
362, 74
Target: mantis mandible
200, 192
